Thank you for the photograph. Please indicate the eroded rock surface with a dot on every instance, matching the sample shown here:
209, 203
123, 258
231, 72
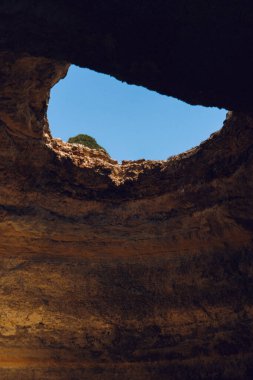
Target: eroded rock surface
199, 51
141, 271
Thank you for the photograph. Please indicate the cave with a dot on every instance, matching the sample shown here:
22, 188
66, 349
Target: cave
142, 270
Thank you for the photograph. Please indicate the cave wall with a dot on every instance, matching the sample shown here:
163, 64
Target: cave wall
198, 51
142, 270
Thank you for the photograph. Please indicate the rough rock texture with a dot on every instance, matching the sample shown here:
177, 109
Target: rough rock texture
199, 51
135, 271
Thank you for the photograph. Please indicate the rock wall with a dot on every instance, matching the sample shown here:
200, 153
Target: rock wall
142, 270
199, 51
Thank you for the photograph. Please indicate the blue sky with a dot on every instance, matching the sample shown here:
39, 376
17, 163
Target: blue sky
130, 122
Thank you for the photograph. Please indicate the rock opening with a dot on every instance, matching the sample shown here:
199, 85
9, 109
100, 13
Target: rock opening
130, 122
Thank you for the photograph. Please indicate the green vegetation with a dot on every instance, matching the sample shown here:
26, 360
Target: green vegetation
85, 140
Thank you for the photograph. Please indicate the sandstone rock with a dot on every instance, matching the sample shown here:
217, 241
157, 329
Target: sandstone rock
142, 270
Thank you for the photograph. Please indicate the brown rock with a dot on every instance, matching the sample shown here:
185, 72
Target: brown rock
139, 271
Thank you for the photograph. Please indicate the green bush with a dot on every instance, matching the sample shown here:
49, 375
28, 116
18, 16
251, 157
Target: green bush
85, 140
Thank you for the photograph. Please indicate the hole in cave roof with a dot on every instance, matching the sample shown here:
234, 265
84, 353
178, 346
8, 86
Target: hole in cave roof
129, 121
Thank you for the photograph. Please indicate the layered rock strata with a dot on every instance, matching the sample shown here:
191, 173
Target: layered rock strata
142, 270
